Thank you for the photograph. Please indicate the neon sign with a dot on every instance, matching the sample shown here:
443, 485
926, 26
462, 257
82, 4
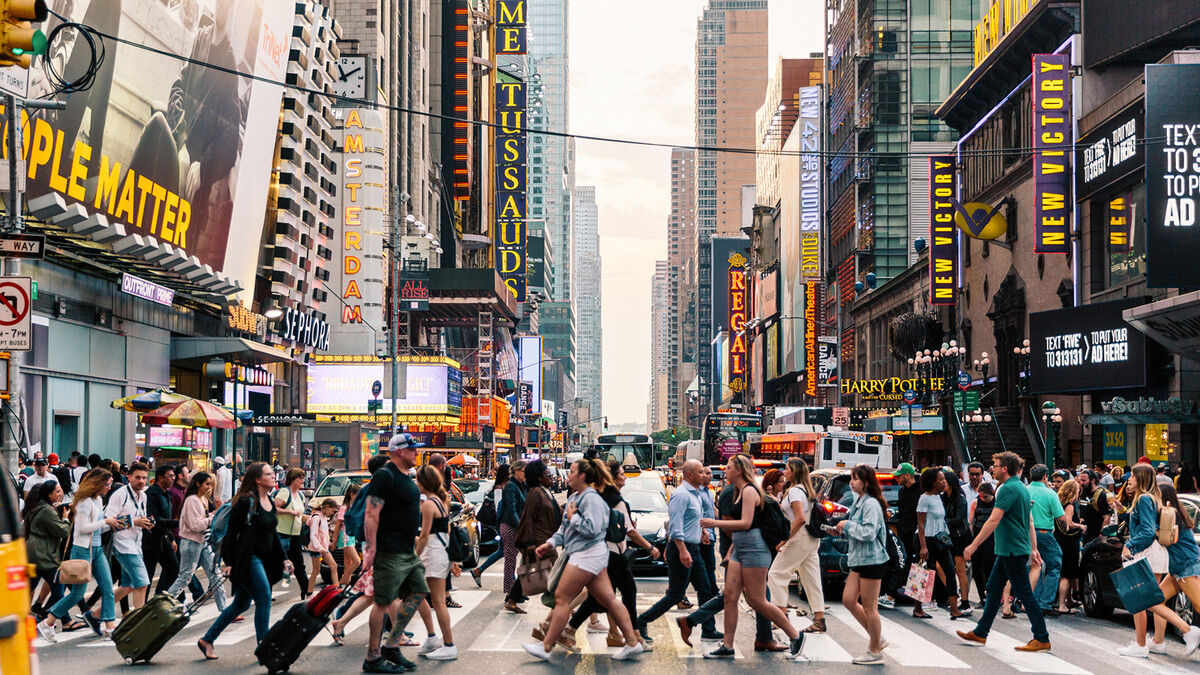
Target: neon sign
737, 322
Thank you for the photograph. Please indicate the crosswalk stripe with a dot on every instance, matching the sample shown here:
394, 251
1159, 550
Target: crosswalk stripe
246, 629
699, 647
1106, 651
505, 633
1001, 646
906, 647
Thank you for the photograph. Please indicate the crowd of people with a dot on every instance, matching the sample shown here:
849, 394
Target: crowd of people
1016, 534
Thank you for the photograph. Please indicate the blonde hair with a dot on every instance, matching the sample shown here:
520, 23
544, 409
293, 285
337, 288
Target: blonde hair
1068, 492
92, 484
743, 466
1146, 484
801, 476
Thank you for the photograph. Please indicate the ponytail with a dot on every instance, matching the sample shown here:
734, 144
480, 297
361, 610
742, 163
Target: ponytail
595, 472
430, 479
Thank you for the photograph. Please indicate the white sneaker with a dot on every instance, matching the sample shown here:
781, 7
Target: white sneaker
868, 659
1157, 647
444, 653
47, 632
536, 649
432, 644
1191, 640
628, 652
1134, 650
597, 627
886, 602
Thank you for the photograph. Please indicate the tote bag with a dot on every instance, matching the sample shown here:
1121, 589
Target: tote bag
920, 583
1136, 585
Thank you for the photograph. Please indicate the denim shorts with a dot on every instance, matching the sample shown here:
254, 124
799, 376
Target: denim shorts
749, 549
1187, 569
133, 570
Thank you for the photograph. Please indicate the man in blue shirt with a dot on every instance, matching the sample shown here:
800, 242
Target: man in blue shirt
685, 564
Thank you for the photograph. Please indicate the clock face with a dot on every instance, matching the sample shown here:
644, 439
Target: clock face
350, 77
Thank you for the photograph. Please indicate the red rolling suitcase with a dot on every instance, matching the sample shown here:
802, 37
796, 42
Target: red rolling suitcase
287, 639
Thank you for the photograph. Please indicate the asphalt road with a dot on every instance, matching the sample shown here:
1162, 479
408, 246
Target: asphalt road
490, 638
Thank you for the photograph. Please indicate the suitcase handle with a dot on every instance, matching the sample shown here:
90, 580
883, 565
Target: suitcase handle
212, 588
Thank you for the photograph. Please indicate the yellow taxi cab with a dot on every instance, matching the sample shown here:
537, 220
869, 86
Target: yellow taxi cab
17, 631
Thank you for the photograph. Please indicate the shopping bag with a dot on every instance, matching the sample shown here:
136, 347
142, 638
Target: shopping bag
1136, 585
920, 583
535, 577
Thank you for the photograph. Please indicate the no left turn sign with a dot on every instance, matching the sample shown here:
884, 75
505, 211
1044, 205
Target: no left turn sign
16, 324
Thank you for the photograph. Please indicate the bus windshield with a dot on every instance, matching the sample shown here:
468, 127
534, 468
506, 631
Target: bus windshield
620, 447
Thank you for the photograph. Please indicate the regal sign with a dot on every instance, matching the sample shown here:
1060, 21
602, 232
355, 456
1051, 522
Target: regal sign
943, 249
737, 322
510, 202
1052, 142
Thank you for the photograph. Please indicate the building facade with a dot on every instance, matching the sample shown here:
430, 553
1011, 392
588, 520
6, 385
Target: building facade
587, 270
681, 284
660, 347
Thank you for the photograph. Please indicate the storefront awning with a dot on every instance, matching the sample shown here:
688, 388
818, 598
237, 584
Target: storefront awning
1172, 322
1142, 418
198, 350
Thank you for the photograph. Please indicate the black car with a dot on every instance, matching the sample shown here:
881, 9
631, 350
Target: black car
1102, 556
835, 496
649, 510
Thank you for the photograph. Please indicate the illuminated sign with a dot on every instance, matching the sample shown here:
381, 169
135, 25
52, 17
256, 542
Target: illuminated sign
510, 27
891, 388
997, 22
1119, 232
1110, 152
345, 388
943, 249
304, 328
810, 338
809, 126
1052, 142
460, 134
1172, 175
737, 322
243, 320
510, 202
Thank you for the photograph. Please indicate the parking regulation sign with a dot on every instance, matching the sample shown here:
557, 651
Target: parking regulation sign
16, 321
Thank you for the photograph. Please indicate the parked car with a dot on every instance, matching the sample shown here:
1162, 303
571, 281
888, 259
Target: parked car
649, 511
1102, 556
835, 496
334, 487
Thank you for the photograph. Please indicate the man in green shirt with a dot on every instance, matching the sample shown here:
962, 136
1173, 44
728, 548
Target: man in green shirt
1016, 547
1046, 510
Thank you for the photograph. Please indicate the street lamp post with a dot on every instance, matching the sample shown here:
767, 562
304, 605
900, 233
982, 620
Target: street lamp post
976, 422
1053, 418
1022, 354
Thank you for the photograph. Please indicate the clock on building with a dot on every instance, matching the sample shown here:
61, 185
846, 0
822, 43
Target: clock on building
350, 77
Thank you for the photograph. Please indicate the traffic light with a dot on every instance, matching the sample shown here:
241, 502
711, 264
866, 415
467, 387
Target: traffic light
19, 40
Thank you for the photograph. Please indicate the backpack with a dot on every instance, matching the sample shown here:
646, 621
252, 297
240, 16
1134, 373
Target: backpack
487, 512
617, 530
817, 516
774, 526
353, 521
1168, 533
458, 544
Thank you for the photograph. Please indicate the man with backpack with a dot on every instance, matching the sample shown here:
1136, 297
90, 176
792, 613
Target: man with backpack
1095, 505
129, 504
685, 564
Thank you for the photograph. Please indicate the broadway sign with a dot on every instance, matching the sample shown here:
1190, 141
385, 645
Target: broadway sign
1052, 140
943, 250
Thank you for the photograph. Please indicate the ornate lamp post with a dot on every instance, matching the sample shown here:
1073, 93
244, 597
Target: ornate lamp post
1053, 419
1022, 354
975, 423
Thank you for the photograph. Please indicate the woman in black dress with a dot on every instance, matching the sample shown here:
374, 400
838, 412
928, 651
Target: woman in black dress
1068, 541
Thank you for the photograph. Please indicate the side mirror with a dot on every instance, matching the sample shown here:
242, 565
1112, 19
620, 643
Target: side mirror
455, 508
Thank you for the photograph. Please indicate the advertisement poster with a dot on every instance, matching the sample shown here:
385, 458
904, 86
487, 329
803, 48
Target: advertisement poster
1172, 175
1052, 142
171, 150
1086, 348
943, 248
344, 388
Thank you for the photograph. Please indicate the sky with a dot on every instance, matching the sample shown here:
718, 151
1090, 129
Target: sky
632, 77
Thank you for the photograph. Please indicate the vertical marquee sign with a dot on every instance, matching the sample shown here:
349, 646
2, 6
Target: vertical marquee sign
1172, 175
510, 27
1118, 224
943, 250
1052, 143
811, 359
460, 134
510, 202
737, 322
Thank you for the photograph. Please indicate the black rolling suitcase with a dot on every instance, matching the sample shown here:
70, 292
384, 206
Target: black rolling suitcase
287, 639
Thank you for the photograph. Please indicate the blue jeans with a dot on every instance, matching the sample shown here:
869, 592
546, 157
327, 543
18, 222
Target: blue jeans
103, 577
191, 555
491, 559
1046, 591
1012, 569
255, 588
678, 578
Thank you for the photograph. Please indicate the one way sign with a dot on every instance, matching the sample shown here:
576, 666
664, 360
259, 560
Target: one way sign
23, 246
16, 321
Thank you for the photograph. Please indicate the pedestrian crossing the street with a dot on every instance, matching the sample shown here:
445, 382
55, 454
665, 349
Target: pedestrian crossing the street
484, 630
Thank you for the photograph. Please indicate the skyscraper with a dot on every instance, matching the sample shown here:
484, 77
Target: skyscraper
731, 76
587, 271
660, 347
681, 294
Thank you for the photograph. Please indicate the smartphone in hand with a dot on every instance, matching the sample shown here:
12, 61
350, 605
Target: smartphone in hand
830, 529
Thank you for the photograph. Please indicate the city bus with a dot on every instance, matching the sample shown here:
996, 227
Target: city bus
725, 434
631, 450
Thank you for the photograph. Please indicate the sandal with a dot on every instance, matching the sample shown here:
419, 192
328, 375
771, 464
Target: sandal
339, 636
1008, 615
817, 626
452, 604
76, 624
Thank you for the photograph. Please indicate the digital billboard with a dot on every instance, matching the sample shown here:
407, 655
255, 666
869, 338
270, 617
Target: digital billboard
1086, 348
1172, 175
345, 388
168, 148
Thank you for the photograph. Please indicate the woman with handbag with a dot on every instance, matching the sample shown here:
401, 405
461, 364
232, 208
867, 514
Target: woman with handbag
582, 536
289, 510
954, 500
509, 516
933, 534
497, 499
1068, 540
431, 548
87, 559
540, 519
252, 553
45, 530
799, 551
1183, 561
985, 555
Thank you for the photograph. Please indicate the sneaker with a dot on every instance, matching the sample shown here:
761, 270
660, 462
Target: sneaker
645, 633
712, 637
381, 665
628, 652
93, 623
46, 632
1191, 640
1134, 650
886, 602
721, 652
797, 643
536, 649
432, 644
597, 627
1158, 647
445, 653
868, 659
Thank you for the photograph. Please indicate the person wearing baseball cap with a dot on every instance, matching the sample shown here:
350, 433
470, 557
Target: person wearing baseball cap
41, 474
910, 494
53, 459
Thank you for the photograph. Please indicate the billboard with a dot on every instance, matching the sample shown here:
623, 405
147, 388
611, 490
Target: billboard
791, 274
167, 149
738, 314
810, 338
809, 128
943, 249
530, 347
1086, 348
345, 388
1052, 142
1172, 175
510, 203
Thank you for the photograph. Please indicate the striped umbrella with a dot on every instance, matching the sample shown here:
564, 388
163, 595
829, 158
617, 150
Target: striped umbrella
148, 400
191, 413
